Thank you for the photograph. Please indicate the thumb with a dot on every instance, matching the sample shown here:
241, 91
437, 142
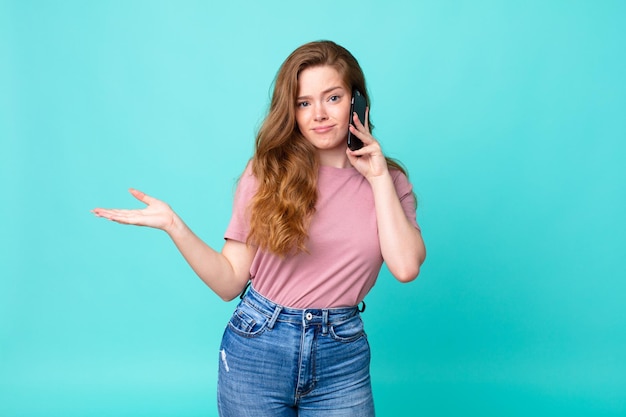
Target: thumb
141, 196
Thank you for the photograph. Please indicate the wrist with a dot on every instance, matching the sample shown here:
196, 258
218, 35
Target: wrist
176, 226
382, 178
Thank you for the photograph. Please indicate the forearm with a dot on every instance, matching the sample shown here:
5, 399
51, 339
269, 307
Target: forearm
213, 267
401, 242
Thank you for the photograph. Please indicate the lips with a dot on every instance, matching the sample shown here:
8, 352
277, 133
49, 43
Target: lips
322, 129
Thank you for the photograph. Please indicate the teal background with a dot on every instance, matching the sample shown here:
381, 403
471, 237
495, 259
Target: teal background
510, 117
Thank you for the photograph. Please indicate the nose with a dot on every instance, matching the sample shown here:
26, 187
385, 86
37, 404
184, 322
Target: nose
320, 113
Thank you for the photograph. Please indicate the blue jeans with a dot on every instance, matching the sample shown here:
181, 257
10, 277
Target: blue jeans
276, 361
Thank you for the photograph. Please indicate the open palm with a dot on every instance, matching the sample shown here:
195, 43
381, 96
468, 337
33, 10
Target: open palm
156, 214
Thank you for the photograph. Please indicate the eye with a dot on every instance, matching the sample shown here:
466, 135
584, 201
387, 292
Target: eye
334, 98
302, 104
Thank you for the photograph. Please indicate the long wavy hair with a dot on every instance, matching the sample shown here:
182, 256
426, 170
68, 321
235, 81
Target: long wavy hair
285, 163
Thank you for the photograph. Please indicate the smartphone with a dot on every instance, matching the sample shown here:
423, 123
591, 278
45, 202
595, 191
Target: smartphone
358, 105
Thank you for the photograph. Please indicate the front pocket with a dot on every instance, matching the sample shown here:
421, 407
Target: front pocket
349, 330
248, 322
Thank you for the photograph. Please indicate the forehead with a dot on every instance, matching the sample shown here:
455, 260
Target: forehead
317, 79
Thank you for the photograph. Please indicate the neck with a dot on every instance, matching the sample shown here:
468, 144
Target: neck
334, 158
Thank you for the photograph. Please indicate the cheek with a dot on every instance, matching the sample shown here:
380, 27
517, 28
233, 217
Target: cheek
344, 113
300, 120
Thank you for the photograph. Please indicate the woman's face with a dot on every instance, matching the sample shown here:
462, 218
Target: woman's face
323, 110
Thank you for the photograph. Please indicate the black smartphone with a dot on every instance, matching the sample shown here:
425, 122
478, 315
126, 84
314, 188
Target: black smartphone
358, 105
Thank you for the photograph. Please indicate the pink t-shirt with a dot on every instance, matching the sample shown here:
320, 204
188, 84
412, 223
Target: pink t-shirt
344, 257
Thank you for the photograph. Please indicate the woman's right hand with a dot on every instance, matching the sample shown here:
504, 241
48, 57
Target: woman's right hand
156, 214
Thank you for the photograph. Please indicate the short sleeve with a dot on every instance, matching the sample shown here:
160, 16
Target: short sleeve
404, 189
239, 226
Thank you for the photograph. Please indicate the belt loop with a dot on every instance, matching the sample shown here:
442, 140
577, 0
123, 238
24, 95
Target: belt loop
277, 310
324, 322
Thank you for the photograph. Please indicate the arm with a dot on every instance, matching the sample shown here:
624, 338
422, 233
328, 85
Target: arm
401, 243
225, 272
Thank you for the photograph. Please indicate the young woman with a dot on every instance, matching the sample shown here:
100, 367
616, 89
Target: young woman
312, 223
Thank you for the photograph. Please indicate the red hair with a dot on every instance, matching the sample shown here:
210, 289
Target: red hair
285, 163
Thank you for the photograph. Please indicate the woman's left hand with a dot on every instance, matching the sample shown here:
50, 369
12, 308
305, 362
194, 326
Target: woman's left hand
369, 160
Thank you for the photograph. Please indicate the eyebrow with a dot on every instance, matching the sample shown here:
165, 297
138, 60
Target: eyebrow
323, 92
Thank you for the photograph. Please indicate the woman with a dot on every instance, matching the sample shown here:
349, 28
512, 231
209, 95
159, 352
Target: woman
312, 223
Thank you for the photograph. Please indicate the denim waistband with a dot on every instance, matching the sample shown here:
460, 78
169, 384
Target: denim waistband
309, 316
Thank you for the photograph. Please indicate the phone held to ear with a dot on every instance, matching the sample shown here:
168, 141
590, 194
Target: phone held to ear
358, 105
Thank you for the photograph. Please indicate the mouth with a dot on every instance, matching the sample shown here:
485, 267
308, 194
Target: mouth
322, 129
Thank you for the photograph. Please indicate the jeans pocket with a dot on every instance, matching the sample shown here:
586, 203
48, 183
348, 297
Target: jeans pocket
349, 330
247, 321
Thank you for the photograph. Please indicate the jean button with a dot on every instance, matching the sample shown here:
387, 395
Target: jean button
308, 316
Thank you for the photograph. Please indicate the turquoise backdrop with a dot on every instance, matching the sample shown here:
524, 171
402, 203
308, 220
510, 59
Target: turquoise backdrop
510, 116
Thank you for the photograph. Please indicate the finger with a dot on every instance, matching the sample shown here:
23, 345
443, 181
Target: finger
352, 157
370, 147
364, 151
101, 212
357, 121
365, 137
141, 196
121, 216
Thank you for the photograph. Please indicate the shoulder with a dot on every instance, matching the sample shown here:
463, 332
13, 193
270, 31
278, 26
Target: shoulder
400, 179
397, 174
247, 176
247, 184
